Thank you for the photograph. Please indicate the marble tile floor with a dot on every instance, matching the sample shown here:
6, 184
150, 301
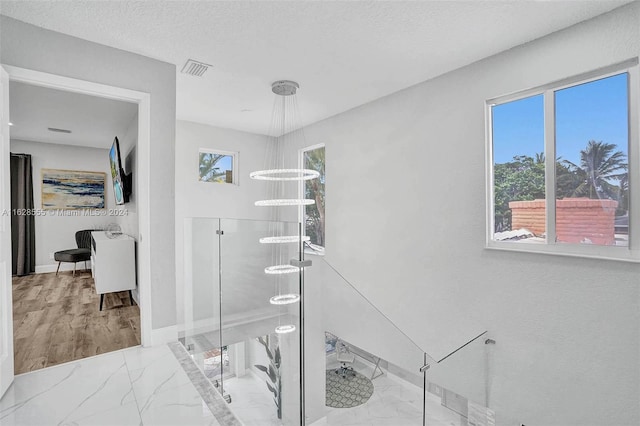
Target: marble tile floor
133, 386
395, 402
148, 386
252, 403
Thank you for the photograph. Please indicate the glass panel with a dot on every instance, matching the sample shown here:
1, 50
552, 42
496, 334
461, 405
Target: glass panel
459, 387
359, 367
518, 170
264, 366
200, 332
314, 190
592, 140
230, 330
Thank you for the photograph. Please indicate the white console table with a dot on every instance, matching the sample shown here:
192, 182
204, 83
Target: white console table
113, 263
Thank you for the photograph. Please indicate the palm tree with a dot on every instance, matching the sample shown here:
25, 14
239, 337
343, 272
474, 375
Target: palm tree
623, 201
314, 189
600, 164
208, 170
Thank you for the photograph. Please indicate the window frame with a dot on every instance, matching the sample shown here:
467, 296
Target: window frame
301, 187
631, 253
234, 163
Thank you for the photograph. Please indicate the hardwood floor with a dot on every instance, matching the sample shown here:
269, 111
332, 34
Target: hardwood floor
57, 319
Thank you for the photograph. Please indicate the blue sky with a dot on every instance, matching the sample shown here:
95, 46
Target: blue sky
225, 163
592, 111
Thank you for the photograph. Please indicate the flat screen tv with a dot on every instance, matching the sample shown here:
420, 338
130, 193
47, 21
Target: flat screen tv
121, 181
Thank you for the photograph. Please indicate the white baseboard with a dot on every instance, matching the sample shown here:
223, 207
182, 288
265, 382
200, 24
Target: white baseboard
65, 266
161, 336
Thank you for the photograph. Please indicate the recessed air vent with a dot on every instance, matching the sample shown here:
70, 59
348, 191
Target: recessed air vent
195, 68
54, 129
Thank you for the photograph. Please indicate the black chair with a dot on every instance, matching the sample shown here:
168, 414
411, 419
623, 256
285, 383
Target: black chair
80, 254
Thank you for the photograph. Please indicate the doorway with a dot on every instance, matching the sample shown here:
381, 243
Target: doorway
142, 107
57, 311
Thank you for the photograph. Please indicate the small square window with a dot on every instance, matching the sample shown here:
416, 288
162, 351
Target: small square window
217, 166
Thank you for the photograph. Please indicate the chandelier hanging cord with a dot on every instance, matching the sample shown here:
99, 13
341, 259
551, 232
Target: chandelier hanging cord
285, 136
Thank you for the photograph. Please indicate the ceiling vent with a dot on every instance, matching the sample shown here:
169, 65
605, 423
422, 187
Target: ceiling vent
54, 129
195, 68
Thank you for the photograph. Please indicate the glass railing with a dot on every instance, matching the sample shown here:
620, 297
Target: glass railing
459, 386
403, 384
201, 331
233, 309
358, 366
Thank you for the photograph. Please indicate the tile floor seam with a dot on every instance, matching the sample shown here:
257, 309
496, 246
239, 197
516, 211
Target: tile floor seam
155, 392
133, 392
26, 401
100, 387
100, 396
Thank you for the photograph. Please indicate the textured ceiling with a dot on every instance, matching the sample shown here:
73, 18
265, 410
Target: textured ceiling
93, 121
343, 54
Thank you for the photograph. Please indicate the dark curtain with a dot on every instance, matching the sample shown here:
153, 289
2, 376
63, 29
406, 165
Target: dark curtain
23, 235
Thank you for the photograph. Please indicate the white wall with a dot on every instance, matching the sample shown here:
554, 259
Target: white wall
206, 199
215, 200
567, 329
128, 150
34, 48
128, 221
57, 232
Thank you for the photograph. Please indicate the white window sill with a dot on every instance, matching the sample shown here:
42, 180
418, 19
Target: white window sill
620, 254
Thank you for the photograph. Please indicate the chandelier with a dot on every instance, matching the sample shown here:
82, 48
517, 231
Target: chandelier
282, 193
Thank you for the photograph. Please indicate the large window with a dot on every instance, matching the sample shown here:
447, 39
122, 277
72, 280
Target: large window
559, 162
313, 215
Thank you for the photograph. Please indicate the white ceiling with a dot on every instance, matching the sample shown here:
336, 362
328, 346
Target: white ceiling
93, 121
343, 53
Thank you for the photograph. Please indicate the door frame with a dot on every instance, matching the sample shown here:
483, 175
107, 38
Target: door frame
6, 300
143, 100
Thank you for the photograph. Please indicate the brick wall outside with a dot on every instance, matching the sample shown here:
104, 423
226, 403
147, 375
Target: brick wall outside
529, 215
577, 219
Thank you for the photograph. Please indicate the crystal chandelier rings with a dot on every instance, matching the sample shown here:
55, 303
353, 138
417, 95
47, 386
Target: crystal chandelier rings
284, 299
285, 202
282, 329
281, 269
285, 174
284, 239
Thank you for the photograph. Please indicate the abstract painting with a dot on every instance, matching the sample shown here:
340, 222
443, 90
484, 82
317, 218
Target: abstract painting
72, 189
